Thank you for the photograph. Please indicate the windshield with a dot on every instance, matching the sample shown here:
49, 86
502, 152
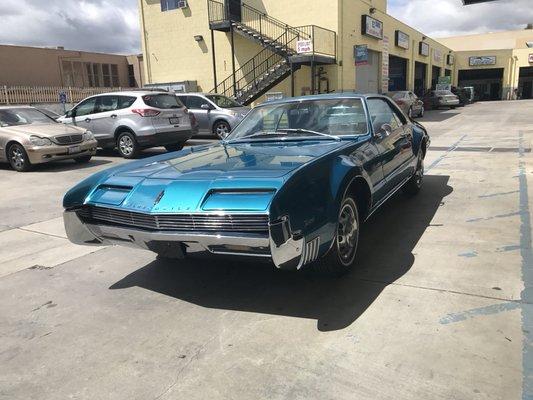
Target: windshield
397, 95
336, 117
223, 101
23, 116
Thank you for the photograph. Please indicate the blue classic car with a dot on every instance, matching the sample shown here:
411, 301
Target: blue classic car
291, 184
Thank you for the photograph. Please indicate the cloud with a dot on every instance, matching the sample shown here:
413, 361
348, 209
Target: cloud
107, 26
442, 18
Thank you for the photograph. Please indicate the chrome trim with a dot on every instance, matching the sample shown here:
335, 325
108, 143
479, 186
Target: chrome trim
285, 249
310, 253
83, 233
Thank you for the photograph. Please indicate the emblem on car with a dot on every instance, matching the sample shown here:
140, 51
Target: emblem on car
159, 197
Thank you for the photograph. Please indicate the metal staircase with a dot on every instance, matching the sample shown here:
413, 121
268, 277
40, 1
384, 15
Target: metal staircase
279, 57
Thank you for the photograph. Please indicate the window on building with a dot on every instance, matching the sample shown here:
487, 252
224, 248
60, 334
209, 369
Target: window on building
131, 76
106, 72
114, 76
167, 5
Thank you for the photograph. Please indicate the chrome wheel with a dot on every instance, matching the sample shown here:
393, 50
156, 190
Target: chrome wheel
126, 145
222, 129
17, 157
347, 233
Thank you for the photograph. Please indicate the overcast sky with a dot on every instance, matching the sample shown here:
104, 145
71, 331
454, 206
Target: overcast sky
113, 26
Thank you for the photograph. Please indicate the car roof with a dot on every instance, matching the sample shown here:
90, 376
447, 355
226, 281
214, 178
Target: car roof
139, 92
14, 106
328, 96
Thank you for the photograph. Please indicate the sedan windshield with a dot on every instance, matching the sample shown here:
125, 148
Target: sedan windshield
23, 116
325, 118
223, 101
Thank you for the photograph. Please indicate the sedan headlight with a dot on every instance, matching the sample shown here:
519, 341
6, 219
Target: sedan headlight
39, 141
88, 135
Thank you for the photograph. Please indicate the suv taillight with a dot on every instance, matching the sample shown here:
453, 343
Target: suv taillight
146, 112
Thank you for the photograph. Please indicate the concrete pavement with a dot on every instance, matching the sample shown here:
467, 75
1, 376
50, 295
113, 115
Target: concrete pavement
438, 309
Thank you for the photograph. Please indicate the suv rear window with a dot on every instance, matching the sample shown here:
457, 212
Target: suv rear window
163, 101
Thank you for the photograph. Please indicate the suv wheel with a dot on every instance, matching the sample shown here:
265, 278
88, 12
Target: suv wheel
18, 158
175, 147
127, 145
414, 184
221, 129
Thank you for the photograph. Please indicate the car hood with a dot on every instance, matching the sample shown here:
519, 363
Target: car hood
43, 130
235, 176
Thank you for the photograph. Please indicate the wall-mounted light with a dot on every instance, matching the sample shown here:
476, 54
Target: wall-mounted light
424, 38
199, 38
372, 10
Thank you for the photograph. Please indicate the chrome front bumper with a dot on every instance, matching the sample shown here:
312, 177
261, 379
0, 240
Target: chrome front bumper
286, 251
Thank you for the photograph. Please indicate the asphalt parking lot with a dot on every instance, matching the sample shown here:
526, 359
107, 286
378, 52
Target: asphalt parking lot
439, 308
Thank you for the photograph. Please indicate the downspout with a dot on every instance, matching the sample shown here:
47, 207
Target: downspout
145, 43
340, 46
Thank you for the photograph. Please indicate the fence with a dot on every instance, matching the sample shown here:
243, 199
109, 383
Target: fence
47, 94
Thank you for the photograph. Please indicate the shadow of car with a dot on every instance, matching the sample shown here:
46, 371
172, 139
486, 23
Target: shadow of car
385, 255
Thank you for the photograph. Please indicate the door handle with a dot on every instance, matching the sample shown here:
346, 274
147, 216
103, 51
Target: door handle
113, 115
87, 120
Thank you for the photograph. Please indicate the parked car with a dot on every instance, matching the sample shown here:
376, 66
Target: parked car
291, 184
29, 137
48, 112
462, 94
435, 99
135, 120
409, 102
216, 114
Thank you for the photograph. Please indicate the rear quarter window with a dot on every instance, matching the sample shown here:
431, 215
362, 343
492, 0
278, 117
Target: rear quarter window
163, 101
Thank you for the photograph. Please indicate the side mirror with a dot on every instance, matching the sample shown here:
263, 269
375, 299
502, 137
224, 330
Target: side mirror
386, 128
205, 106
71, 113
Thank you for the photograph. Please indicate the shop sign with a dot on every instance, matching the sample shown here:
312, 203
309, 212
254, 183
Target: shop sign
402, 40
451, 59
273, 96
372, 27
424, 49
482, 60
385, 66
361, 54
530, 58
443, 86
437, 56
304, 46
445, 80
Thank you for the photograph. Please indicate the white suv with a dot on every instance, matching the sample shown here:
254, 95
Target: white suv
131, 121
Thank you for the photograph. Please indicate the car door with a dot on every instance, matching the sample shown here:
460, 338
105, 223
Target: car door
391, 139
103, 119
201, 108
80, 115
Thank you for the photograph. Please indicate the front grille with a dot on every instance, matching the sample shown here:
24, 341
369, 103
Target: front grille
257, 223
68, 139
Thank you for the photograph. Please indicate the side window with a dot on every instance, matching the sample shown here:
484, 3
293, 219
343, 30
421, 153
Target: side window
195, 102
184, 99
125, 102
86, 107
381, 113
106, 103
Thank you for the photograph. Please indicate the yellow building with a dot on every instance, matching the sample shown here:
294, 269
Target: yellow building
288, 47
498, 65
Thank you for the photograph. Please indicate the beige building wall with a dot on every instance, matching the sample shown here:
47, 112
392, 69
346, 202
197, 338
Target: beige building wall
173, 55
489, 41
32, 66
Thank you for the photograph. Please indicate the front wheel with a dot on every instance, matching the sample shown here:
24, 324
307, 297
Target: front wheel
414, 184
18, 158
221, 129
341, 255
127, 145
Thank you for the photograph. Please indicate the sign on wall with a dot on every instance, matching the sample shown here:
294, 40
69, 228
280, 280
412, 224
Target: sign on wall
402, 40
445, 80
372, 27
482, 60
385, 66
450, 59
437, 56
530, 58
304, 46
423, 49
361, 54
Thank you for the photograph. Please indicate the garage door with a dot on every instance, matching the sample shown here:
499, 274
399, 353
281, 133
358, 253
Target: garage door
525, 83
397, 73
487, 82
420, 78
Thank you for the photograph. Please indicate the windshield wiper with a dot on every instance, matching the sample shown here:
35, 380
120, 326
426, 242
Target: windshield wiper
309, 131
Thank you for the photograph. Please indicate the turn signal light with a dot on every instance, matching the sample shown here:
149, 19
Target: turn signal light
146, 112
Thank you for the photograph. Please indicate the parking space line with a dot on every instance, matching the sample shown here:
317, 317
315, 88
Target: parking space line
443, 156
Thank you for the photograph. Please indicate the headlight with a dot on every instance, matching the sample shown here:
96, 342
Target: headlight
88, 135
39, 141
